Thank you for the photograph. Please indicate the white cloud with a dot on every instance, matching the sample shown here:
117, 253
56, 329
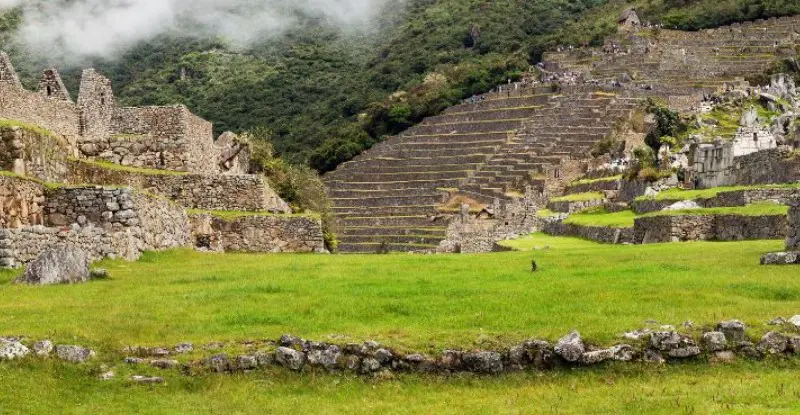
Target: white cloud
74, 29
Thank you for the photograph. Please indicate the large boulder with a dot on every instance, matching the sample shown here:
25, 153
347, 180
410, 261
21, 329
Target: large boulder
59, 265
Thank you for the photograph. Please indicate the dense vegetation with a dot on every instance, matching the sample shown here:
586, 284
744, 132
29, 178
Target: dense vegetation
327, 95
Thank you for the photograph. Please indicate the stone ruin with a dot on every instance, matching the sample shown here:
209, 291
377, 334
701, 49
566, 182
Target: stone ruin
157, 175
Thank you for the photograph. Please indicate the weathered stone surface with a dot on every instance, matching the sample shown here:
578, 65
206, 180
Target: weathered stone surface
794, 344
715, 341
43, 348
107, 375
61, 265
184, 348
11, 350
369, 365
164, 363
570, 347
246, 362
328, 358
290, 358
795, 321
147, 379
733, 330
637, 334
483, 362
219, 363
75, 354
674, 344
773, 343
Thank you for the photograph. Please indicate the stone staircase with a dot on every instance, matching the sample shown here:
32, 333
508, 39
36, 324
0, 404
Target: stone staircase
567, 130
387, 197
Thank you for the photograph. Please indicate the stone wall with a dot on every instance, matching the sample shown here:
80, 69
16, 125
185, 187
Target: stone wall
677, 228
572, 206
155, 223
21, 202
793, 240
258, 233
600, 234
60, 117
732, 198
23, 245
249, 193
764, 167
29, 153
167, 138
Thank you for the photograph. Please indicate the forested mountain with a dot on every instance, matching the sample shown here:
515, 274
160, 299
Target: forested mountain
322, 95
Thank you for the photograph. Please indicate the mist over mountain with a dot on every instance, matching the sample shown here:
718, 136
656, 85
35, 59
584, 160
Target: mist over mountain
69, 30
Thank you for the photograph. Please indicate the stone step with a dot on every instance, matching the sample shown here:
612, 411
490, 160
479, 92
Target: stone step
343, 211
446, 145
379, 193
427, 198
406, 152
370, 167
407, 176
467, 127
454, 138
371, 248
482, 115
389, 185
499, 103
394, 221
391, 239
429, 231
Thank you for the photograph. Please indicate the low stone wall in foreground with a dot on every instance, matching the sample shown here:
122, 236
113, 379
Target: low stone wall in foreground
600, 234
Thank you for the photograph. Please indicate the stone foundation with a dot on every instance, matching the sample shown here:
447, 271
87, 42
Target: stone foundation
733, 198
257, 233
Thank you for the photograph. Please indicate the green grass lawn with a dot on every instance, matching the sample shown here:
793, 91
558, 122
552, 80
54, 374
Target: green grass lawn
600, 217
409, 301
740, 388
420, 302
680, 194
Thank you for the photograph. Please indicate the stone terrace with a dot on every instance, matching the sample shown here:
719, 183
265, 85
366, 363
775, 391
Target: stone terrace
675, 62
389, 194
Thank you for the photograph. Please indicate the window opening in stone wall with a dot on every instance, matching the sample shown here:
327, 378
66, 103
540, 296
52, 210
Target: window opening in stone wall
755, 136
49, 91
102, 98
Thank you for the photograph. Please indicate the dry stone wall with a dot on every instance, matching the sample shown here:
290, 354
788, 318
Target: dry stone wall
606, 235
776, 165
677, 228
155, 223
793, 241
249, 193
258, 233
732, 198
29, 153
21, 202
23, 245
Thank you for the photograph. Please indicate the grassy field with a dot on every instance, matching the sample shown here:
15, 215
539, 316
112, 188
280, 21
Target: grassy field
598, 216
680, 194
740, 388
408, 300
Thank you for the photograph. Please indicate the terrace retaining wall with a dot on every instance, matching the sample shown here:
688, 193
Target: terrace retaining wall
732, 198
676, 228
28, 153
602, 234
246, 192
258, 233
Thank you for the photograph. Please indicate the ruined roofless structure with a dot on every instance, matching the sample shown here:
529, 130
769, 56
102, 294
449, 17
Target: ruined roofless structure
166, 138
